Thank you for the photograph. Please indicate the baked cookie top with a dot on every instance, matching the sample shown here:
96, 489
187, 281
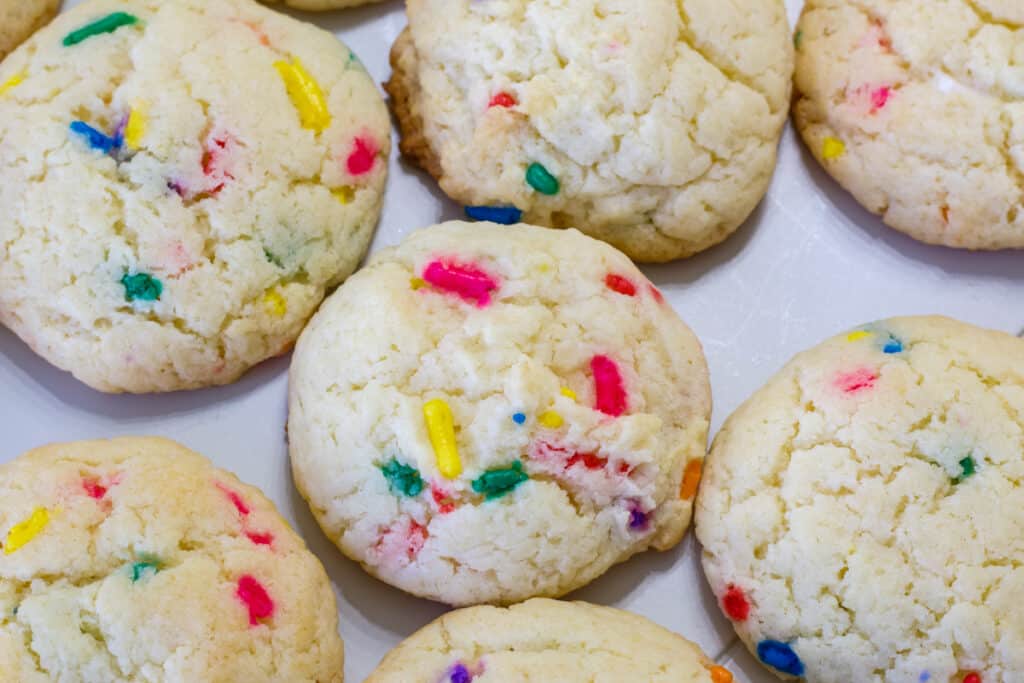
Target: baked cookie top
917, 108
650, 124
489, 413
20, 18
320, 5
548, 640
136, 559
861, 514
180, 183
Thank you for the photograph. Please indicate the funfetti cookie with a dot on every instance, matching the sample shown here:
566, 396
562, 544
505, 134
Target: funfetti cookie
21, 18
650, 124
862, 514
320, 5
915, 108
137, 560
181, 181
546, 640
488, 413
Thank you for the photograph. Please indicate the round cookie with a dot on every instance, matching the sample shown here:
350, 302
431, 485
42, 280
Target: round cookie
320, 5
650, 124
136, 559
546, 640
21, 18
180, 183
861, 514
489, 413
917, 109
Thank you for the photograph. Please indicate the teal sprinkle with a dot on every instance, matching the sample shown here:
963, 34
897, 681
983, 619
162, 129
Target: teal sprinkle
142, 569
107, 24
403, 478
968, 467
141, 287
496, 483
541, 180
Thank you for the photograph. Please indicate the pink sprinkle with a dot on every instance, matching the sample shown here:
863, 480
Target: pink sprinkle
467, 281
611, 395
93, 488
240, 504
880, 97
364, 155
417, 538
260, 538
656, 293
855, 381
254, 595
620, 284
214, 162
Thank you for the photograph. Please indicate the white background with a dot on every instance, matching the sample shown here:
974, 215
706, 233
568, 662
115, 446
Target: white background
808, 264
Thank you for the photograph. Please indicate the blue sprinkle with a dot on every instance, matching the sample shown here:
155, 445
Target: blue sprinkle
506, 215
780, 656
925, 676
97, 140
894, 345
519, 418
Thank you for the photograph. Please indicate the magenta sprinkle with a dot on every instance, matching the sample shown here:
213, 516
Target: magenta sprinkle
611, 395
469, 282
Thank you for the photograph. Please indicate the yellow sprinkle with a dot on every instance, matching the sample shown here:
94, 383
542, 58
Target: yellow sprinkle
275, 303
25, 531
345, 194
417, 283
551, 419
858, 335
306, 95
135, 129
833, 149
12, 82
441, 427
568, 393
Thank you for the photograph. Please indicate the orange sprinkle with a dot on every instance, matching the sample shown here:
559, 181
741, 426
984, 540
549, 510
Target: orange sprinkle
691, 479
719, 674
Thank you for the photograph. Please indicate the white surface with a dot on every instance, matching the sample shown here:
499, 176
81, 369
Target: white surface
808, 264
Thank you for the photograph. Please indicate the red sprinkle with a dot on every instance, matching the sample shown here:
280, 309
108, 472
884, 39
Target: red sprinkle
972, 678
442, 498
214, 164
590, 460
656, 293
880, 97
857, 380
467, 281
260, 538
418, 535
619, 284
93, 488
611, 395
363, 156
240, 504
735, 604
503, 99
254, 595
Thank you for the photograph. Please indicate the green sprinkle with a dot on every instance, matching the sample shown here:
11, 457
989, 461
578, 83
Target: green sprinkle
798, 38
107, 24
967, 469
142, 569
541, 180
403, 478
141, 287
496, 483
272, 259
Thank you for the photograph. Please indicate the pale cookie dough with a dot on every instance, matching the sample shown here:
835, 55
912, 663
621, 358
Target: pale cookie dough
137, 560
550, 641
489, 413
650, 124
21, 18
320, 5
181, 182
916, 107
862, 514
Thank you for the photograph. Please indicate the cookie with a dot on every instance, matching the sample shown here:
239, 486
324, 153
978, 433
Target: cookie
861, 514
546, 640
914, 107
136, 559
649, 124
21, 18
180, 183
489, 413
321, 5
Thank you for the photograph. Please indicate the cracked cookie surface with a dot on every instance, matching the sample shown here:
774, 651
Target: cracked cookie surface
546, 640
650, 124
137, 560
917, 109
320, 5
21, 18
861, 514
180, 184
488, 413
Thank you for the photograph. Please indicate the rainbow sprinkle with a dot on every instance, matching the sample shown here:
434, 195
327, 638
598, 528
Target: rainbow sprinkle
568, 393
504, 215
638, 520
551, 419
620, 284
96, 139
857, 335
496, 483
254, 595
11, 83
719, 674
780, 656
519, 418
608, 386
93, 488
306, 95
24, 531
345, 194
892, 346
972, 678
540, 179
968, 468
402, 478
275, 304
468, 282
502, 99
441, 427
141, 287
363, 156
107, 24
460, 674
141, 570
856, 380
691, 480
135, 129
832, 149
735, 604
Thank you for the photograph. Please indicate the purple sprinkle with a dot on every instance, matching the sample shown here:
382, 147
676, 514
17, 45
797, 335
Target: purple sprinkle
637, 520
460, 674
